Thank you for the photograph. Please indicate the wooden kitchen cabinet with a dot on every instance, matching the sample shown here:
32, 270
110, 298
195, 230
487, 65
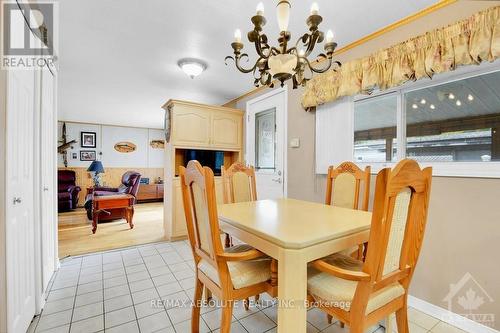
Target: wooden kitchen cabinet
227, 129
193, 125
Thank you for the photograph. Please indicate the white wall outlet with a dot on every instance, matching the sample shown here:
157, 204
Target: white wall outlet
294, 143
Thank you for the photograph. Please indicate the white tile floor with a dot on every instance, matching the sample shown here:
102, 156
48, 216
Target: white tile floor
116, 291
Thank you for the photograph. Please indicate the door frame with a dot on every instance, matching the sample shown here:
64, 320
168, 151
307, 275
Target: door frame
283, 91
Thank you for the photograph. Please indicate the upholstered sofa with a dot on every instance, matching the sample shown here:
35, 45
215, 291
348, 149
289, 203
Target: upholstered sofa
129, 185
67, 191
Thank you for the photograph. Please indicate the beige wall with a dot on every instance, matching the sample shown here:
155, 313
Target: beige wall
464, 217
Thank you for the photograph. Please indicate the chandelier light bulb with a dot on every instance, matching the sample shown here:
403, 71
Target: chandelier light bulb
458, 102
423, 101
260, 9
237, 35
314, 8
432, 106
329, 36
470, 97
451, 96
414, 106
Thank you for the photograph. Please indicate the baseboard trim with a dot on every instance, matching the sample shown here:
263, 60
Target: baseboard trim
449, 317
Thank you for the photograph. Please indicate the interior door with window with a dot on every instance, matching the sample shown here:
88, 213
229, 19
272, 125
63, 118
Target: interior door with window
265, 142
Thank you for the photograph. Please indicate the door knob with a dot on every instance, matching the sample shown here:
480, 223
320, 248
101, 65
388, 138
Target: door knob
16, 200
277, 180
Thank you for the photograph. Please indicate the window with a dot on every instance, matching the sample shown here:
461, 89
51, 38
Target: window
375, 129
455, 122
448, 122
265, 137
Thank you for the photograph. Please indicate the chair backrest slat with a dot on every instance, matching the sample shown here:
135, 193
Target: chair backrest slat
200, 208
343, 186
239, 183
398, 221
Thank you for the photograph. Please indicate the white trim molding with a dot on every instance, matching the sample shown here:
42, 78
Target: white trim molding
449, 317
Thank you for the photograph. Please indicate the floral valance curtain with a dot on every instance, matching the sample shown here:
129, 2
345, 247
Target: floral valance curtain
470, 41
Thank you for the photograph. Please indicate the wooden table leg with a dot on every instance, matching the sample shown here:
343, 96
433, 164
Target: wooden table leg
95, 218
130, 216
292, 292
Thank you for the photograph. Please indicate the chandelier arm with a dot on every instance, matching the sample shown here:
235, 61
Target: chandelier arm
259, 42
319, 70
240, 68
276, 51
313, 38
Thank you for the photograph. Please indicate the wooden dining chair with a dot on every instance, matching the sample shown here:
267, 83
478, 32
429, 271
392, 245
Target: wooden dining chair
362, 293
238, 185
343, 189
231, 274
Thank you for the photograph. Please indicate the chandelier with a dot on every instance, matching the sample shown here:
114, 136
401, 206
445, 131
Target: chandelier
283, 63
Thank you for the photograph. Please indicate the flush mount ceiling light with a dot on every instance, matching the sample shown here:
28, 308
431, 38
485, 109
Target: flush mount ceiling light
283, 62
192, 67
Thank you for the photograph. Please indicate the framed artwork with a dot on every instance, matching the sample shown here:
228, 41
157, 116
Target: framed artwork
87, 155
88, 139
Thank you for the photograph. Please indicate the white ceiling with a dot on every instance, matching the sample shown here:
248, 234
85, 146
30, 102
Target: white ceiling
118, 59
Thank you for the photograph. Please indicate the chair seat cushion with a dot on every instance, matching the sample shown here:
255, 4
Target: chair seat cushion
243, 273
338, 292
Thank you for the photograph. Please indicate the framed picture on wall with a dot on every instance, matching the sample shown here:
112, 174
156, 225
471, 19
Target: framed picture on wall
87, 155
88, 139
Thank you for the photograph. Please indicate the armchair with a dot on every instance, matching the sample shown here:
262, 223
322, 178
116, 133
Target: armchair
129, 185
67, 191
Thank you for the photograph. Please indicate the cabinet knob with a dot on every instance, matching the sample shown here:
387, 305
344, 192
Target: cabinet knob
16, 200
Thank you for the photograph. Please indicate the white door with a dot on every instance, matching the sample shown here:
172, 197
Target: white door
48, 178
20, 252
266, 142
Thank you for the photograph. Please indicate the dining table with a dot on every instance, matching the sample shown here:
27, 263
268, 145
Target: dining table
294, 232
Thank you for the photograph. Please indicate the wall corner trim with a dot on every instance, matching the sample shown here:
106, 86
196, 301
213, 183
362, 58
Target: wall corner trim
449, 317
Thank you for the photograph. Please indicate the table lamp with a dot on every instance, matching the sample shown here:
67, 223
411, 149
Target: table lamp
96, 169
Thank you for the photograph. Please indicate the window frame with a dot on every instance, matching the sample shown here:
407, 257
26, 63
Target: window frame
443, 169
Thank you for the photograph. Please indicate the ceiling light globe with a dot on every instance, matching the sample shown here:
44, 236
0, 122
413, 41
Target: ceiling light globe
458, 103
414, 106
192, 67
423, 101
451, 96
432, 106
470, 97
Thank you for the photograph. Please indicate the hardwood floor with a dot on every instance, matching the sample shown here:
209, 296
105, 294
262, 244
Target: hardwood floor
75, 231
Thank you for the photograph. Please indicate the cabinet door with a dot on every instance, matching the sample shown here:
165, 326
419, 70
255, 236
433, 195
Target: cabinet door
146, 192
191, 127
227, 130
